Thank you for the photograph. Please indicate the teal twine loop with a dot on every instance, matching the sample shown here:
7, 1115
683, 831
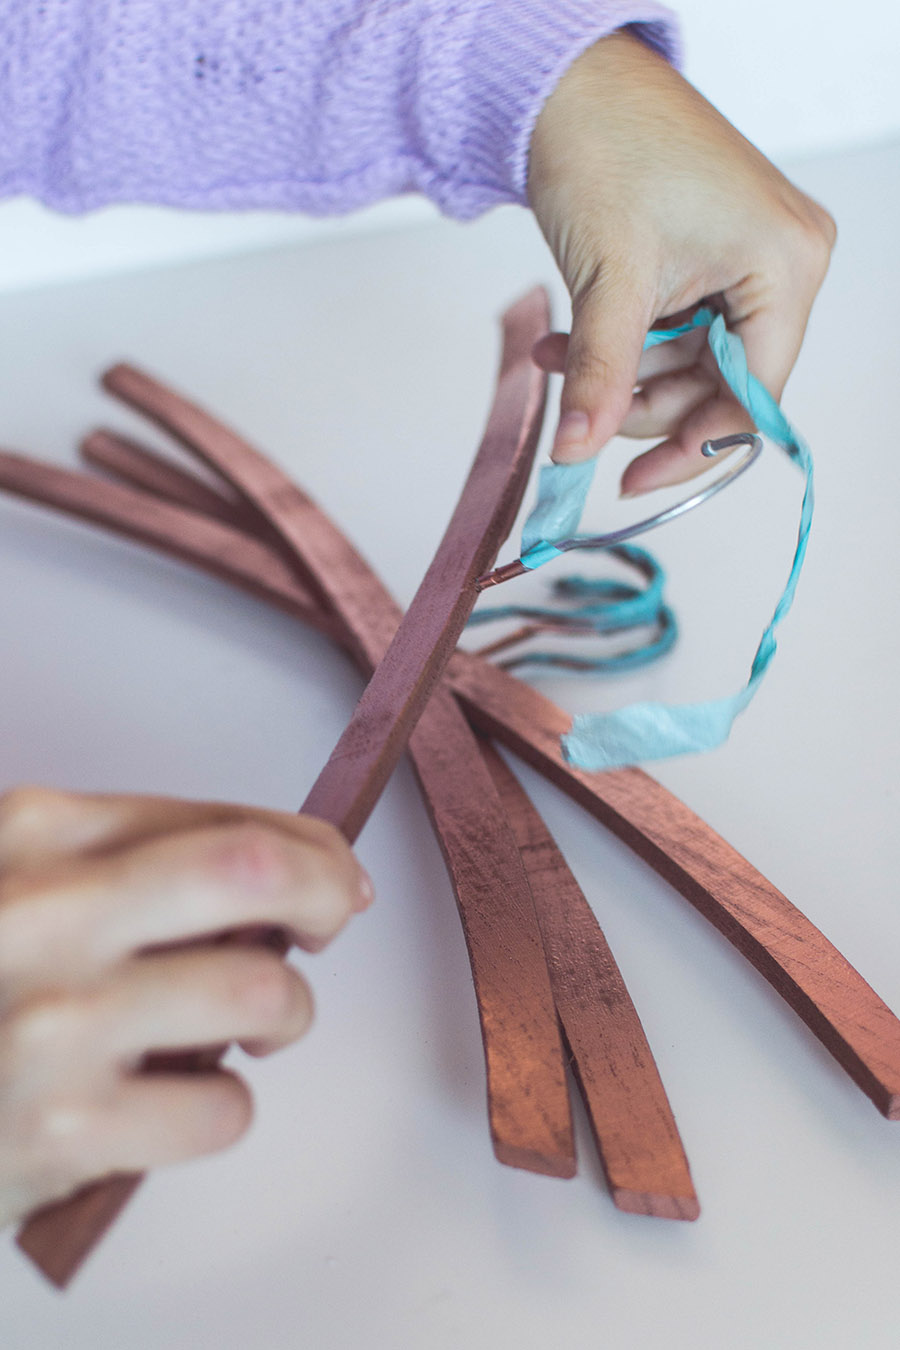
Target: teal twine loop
647, 731
597, 606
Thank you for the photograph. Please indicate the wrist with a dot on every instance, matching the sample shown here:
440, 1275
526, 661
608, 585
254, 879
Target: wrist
617, 82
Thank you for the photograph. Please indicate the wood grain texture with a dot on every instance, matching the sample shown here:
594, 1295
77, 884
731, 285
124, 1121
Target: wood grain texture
634, 1128
834, 1000
528, 1101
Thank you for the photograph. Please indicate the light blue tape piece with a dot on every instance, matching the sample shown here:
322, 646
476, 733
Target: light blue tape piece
541, 553
562, 493
563, 488
646, 731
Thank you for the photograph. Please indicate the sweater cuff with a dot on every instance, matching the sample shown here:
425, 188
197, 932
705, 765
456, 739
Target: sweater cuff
515, 56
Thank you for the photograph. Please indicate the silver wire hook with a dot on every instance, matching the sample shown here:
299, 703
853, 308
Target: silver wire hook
709, 449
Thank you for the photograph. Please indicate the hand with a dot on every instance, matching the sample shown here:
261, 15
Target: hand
112, 913
652, 202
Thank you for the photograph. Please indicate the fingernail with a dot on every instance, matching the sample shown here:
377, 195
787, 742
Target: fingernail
366, 891
571, 434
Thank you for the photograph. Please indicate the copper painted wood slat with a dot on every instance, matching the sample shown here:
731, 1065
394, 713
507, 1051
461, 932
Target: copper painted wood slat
630, 1115
235, 557
59, 1249
837, 1004
635, 1131
807, 970
129, 461
126, 459
530, 1117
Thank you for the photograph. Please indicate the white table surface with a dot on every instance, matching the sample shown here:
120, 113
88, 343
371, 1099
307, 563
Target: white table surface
365, 1208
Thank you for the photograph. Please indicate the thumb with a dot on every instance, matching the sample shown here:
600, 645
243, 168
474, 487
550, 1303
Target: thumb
609, 325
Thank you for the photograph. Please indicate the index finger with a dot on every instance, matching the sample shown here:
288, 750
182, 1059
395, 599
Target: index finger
72, 919
38, 824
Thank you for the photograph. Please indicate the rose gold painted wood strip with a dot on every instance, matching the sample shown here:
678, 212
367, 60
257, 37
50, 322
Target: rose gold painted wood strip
633, 1124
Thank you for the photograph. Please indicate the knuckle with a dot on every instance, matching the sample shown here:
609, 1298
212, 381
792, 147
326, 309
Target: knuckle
45, 1024
328, 840
62, 1131
586, 362
814, 237
22, 809
826, 225
16, 936
819, 248
54, 1139
250, 855
266, 989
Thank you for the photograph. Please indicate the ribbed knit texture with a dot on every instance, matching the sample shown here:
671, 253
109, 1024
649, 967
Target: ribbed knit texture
312, 105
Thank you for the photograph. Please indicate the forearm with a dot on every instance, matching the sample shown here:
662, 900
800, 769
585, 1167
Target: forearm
317, 105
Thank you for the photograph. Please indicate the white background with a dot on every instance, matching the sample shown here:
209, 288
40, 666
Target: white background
795, 76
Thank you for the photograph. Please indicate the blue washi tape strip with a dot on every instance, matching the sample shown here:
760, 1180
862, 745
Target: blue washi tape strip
646, 731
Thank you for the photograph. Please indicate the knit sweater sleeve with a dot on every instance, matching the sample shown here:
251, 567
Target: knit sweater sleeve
319, 106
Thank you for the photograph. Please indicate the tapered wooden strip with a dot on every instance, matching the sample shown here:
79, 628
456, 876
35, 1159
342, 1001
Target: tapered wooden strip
460, 796
134, 463
528, 1104
633, 1125
837, 1004
58, 1250
222, 551
530, 1119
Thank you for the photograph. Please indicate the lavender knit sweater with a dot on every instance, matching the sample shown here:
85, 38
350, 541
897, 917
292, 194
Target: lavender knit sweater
311, 105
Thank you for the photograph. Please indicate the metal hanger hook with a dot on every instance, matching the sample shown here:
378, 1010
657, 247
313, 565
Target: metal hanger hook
710, 449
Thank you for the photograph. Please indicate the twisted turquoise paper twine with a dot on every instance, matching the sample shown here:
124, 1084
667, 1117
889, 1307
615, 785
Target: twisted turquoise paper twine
596, 606
648, 731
